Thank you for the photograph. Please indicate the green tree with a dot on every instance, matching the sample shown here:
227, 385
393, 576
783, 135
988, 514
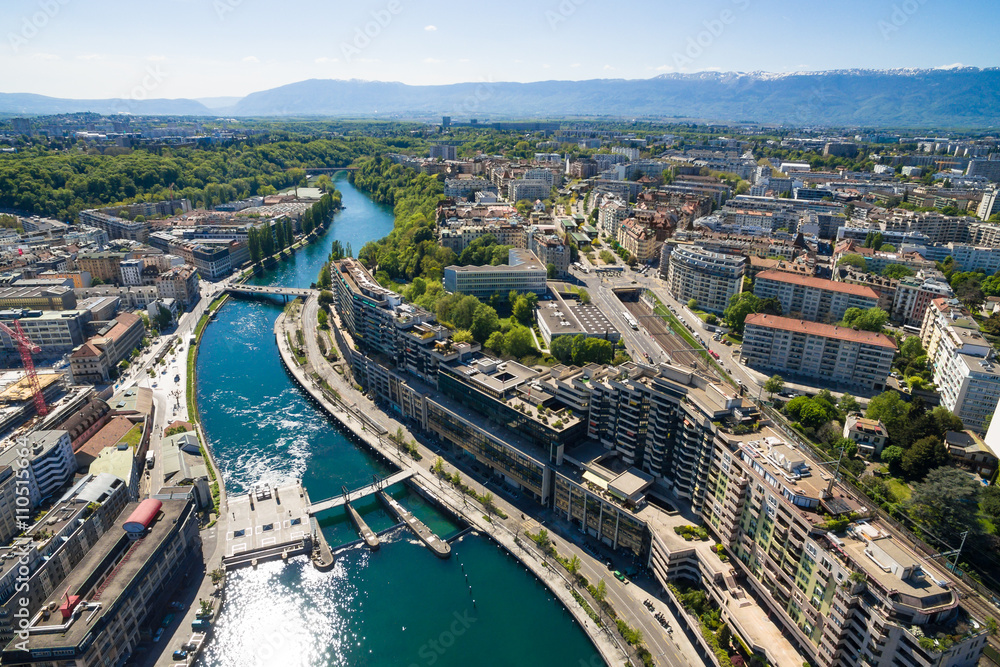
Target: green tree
848, 404
924, 455
897, 271
854, 260
601, 592
550, 271
889, 408
484, 322
323, 319
693, 304
872, 319
573, 566
989, 502
163, 318
522, 309
774, 385
893, 456
518, 342
946, 502
462, 336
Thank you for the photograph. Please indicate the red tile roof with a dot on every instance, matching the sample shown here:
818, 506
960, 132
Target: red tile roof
819, 329
108, 436
817, 283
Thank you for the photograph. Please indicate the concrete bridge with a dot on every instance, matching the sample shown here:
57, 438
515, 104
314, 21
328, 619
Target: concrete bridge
284, 292
323, 170
351, 496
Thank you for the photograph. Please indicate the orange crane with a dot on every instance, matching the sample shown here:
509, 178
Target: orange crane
27, 348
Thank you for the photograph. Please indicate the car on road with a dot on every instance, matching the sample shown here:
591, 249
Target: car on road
180, 654
159, 633
620, 577
167, 620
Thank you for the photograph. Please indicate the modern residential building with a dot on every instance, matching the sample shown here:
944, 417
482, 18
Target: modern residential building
116, 228
532, 190
819, 352
109, 599
855, 594
710, 278
523, 272
50, 457
131, 272
813, 299
466, 188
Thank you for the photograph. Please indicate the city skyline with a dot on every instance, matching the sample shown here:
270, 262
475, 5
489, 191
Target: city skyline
50, 46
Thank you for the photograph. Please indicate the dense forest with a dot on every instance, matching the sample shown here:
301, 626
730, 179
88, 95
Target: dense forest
61, 184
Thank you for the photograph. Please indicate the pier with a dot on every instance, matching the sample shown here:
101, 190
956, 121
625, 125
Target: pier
367, 534
440, 548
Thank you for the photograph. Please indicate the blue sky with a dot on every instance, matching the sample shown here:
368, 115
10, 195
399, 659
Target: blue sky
200, 48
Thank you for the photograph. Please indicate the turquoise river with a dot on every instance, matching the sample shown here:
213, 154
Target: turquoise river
400, 606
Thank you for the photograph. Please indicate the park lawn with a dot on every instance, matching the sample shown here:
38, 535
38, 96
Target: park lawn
900, 490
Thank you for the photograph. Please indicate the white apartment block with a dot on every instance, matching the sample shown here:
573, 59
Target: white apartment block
523, 272
815, 351
813, 299
965, 367
131, 271
710, 278
531, 190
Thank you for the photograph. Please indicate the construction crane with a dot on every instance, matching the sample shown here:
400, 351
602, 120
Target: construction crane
27, 348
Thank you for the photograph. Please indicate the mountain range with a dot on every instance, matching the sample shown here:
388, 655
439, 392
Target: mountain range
958, 97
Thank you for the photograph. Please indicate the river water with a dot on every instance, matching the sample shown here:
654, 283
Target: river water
400, 606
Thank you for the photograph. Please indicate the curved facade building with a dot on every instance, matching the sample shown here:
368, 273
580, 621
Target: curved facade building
711, 278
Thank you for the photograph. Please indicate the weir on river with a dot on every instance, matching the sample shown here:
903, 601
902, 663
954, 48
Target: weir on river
385, 608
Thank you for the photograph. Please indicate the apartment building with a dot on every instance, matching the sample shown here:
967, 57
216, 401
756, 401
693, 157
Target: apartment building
550, 249
710, 278
466, 188
54, 545
523, 272
372, 314
94, 361
965, 366
107, 601
818, 352
50, 457
813, 299
914, 294
179, 283
104, 265
850, 595
116, 228
530, 189
639, 240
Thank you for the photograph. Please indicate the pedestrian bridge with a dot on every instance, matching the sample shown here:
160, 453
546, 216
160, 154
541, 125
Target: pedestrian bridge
255, 290
357, 494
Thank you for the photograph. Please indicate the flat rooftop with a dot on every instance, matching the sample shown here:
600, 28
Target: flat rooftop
104, 556
276, 515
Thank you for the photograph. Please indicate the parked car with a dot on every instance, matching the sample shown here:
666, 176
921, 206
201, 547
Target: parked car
180, 654
157, 635
201, 625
